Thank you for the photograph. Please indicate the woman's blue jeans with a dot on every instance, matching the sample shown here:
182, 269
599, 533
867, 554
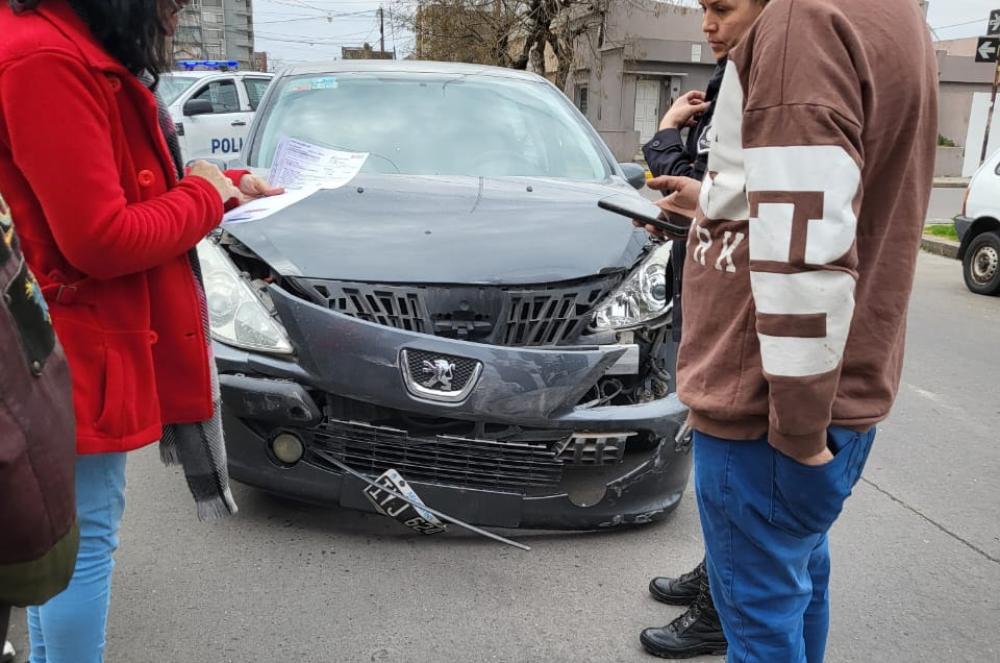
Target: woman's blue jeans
70, 628
765, 518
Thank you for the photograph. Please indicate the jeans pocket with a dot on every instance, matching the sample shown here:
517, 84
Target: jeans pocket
807, 500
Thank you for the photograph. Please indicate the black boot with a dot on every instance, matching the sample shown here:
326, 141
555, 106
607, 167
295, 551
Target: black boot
698, 632
679, 591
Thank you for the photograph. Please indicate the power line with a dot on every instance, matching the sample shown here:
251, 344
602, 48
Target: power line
956, 25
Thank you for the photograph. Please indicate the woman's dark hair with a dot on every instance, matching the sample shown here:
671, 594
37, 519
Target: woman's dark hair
130, 30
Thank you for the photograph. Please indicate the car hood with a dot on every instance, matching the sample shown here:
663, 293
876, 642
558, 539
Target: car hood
407, 229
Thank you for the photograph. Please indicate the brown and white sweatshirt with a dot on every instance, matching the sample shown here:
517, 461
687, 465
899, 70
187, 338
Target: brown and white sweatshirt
801, 261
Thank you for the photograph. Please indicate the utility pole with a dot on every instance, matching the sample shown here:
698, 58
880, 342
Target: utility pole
381, 29
988, 50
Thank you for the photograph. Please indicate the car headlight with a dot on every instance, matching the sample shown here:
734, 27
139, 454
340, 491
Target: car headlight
644, 297
236, 314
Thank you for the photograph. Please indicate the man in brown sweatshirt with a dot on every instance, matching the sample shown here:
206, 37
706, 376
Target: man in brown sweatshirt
800, 267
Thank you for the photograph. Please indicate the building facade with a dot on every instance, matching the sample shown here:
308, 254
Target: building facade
216, 30
631, 61
365, 52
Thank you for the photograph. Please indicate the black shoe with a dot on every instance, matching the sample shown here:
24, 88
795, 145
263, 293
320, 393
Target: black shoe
679, 591
697, 632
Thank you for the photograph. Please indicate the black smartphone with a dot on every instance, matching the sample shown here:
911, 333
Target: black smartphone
640, 209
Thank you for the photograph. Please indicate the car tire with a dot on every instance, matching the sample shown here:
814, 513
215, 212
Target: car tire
981, 265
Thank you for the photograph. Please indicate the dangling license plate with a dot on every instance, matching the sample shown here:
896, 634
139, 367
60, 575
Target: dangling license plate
417, 519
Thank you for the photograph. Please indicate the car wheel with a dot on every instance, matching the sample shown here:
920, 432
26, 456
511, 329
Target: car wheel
981, 264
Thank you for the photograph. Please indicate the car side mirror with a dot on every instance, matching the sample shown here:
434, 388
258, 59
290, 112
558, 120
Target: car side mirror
635, 174
198, 107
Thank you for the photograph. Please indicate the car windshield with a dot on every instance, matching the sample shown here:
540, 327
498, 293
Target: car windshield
171, 87
428, 124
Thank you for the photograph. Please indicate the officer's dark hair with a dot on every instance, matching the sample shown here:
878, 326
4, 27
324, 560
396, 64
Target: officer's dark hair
130, 30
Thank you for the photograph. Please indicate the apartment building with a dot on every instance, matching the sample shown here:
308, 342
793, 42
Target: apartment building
216, 30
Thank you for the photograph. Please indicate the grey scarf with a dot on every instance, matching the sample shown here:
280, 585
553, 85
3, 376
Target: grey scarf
199, 448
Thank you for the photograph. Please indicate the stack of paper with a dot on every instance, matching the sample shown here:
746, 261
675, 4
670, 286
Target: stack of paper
302, 169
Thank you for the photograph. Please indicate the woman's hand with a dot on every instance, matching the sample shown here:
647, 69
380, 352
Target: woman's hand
216, 178
253, 187
682, 113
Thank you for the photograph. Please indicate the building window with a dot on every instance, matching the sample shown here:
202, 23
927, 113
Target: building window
695, 52
213, 17
583, 98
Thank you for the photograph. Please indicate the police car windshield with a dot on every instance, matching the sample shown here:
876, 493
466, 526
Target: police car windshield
424, 124
172, 86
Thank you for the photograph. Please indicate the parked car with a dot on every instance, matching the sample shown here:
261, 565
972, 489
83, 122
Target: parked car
212, 110
978, 228
462, 312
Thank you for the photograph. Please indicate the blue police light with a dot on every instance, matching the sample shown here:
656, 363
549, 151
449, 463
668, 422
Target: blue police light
215, 65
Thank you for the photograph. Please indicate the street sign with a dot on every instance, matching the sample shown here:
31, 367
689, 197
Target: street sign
987, 49
994, 25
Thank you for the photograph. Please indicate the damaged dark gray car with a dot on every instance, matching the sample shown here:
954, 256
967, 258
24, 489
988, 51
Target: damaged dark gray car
462, 312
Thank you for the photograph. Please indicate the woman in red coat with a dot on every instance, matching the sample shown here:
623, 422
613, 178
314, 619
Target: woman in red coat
108, 226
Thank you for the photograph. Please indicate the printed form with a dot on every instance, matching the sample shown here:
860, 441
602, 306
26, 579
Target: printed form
302, 169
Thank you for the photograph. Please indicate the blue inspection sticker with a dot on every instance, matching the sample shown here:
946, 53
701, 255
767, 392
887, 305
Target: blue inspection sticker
325, 83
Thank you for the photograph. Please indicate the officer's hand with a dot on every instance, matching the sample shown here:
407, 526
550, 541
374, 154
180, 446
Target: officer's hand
682, 113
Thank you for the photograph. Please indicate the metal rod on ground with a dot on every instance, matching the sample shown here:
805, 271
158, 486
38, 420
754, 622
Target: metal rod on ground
442, 516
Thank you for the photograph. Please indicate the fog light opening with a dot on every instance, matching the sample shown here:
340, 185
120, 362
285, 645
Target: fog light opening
287, 448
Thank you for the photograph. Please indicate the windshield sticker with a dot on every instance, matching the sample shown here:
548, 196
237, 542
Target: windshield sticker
325, 83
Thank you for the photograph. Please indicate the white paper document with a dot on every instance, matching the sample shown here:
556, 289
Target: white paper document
264, 207
298, 164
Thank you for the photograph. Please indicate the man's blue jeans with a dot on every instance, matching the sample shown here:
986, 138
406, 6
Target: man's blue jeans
765, 519
70, 627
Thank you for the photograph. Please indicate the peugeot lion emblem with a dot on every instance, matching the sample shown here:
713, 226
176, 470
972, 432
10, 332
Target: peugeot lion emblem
440, 373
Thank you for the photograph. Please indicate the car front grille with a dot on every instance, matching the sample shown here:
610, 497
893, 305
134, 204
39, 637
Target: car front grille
450, 460
500, 315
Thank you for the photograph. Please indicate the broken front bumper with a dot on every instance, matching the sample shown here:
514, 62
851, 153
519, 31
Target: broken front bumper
480, 480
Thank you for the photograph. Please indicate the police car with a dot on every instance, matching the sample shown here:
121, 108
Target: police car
212, 108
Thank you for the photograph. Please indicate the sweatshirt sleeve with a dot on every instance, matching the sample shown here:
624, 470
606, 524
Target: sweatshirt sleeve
61, 140
801, 137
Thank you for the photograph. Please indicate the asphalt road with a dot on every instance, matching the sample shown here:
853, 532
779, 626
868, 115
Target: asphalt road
916, 555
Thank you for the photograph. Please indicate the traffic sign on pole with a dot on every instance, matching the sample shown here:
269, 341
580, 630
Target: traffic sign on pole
987, 49
994, 24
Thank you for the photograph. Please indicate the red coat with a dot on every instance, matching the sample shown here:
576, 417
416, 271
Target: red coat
88, 176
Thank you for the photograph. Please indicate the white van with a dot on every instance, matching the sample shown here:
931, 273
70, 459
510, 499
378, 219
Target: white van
212, 109
978, 228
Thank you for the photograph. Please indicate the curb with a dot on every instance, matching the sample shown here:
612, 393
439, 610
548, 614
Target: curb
940, 247
950, 183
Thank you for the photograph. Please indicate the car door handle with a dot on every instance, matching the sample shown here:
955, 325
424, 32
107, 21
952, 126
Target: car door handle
239, 123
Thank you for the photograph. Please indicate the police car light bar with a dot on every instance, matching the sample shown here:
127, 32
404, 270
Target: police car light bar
217, 65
